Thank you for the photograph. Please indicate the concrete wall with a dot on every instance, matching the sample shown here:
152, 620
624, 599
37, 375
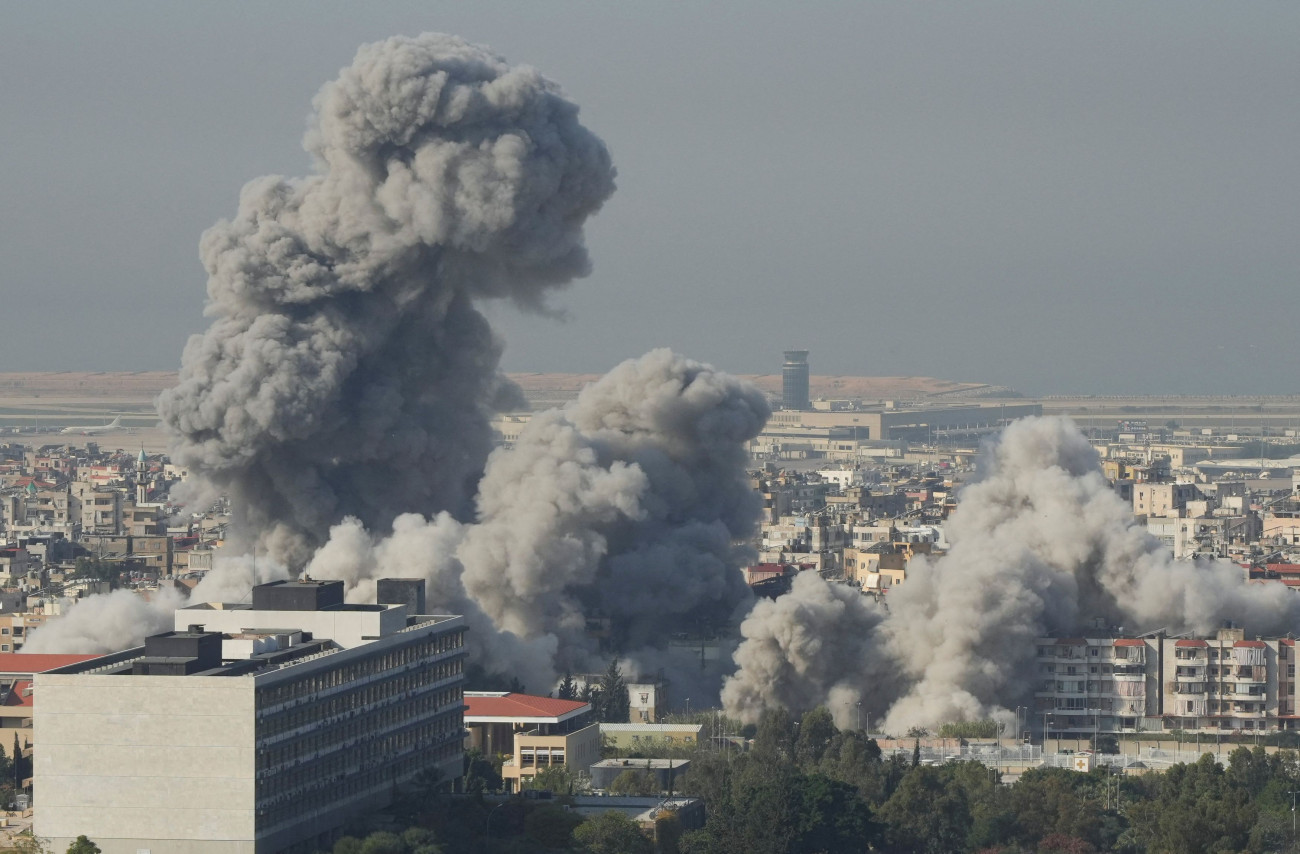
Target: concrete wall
181, 761
346, 628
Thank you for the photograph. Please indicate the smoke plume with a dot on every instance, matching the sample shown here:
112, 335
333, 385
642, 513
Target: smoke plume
814, 644
122, 619
626, 512
1041, 545
347, 371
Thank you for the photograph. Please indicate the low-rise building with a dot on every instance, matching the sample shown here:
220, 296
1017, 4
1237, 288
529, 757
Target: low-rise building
648, 737
540, 732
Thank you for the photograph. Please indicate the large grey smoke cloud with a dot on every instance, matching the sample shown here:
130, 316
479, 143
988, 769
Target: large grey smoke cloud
631, 506
1040, 545
341, 395
347, 371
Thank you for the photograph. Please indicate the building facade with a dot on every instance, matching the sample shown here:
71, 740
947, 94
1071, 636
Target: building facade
1227, 684
540, 732
241, 733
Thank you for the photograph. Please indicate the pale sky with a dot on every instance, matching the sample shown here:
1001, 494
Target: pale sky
1060, 197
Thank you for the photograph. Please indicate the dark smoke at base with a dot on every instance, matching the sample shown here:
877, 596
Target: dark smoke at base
347, 372
1041, 544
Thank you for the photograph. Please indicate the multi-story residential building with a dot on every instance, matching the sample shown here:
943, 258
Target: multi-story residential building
1108, 684
15, 563
101, 508
1162, 499
249, 729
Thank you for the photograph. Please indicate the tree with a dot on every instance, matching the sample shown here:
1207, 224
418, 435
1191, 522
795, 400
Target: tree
591, 696
640, 782
567, 690
775, 734
481, 774
616, 703
612, 833
926, 814
555, 778
26, 843
383, 842
831, 817
82, 845
347, 845
815, 733
551, 826
18, 765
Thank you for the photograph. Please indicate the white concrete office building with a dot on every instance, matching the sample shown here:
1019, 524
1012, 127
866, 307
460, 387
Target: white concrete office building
249, 729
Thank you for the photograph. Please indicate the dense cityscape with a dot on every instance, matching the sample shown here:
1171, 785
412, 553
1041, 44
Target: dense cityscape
352, 580
856, 494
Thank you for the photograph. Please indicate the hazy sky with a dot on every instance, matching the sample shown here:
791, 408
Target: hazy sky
1056, 196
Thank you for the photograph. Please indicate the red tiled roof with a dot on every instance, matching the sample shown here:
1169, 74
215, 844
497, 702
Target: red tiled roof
1191, 643
1253, 644
521, 706
21, 662
1130, 642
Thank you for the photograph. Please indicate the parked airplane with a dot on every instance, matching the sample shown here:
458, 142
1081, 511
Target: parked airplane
115, 424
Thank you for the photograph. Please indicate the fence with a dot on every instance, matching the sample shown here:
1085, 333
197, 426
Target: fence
1030, 756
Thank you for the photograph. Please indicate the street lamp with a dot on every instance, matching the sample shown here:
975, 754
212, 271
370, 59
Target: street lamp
487, 831
859, 704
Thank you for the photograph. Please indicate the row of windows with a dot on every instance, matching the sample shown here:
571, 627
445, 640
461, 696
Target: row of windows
327, 728
347, 786
365, 695
387, 660
373, 739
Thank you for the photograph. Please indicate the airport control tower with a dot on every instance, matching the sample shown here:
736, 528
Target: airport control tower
794, 380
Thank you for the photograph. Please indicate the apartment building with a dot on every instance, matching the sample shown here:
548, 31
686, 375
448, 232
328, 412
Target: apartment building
1223, 684
250, 728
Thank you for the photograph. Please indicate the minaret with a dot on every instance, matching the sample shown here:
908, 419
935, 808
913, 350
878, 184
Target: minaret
141, 478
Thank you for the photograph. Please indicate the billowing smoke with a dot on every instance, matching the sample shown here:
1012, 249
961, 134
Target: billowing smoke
342, 393
1041, 544
347, 371
812, 645
106, 623
610, 525
123, 618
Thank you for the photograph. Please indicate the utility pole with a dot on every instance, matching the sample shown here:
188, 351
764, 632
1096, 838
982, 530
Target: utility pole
859, 704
